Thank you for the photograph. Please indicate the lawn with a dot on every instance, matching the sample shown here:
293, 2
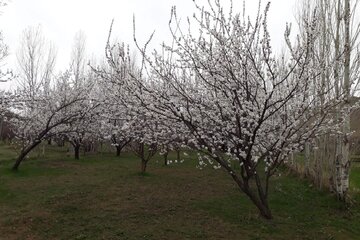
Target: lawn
105, 197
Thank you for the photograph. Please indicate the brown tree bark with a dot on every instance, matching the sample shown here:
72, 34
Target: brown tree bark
118, 150
77, 151
143, 165
166, 158
23, 154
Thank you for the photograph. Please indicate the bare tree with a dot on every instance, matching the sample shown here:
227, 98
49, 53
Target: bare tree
36, 61
4, 52
5, 97
5, 75
337, 54
78, 57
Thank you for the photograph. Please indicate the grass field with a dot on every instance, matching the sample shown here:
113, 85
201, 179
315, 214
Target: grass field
104, 197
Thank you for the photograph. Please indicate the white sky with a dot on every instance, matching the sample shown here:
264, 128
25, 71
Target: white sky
61, 19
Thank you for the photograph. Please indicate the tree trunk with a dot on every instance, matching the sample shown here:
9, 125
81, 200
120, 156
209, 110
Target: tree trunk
342, 162
166, 158
257, 196
342, 159
178, 154
321, 164
24, 153
139, 149
265, 211
259, 201
118, 150
263, 207
336, 165
307, 160
77, 151
120, 146
345, 163
143, 165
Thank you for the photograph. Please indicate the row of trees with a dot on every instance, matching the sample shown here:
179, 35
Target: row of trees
217, 88
50, 104
336, 52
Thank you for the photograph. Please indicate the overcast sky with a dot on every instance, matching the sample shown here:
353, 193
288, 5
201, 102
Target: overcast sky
61, 19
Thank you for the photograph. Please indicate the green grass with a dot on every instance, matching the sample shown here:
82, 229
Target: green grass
7, 152
105, 197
